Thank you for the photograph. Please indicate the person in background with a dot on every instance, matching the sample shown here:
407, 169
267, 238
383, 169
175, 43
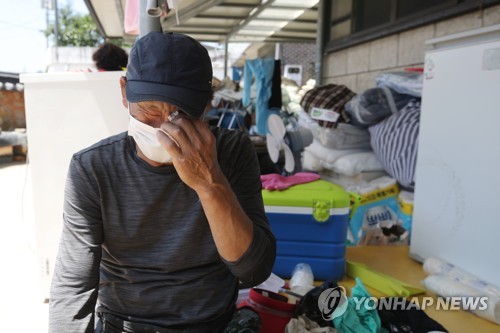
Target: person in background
109, 57
164, 222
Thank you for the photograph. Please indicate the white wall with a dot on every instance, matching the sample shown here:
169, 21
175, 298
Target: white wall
68, 58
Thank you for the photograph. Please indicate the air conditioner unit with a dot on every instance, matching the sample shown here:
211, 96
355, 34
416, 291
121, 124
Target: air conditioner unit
293, 72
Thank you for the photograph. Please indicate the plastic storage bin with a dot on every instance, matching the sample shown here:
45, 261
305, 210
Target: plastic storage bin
310, 224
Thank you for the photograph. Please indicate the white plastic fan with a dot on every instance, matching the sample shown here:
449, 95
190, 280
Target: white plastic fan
275, 141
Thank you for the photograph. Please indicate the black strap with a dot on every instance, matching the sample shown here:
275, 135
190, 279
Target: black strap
115, 324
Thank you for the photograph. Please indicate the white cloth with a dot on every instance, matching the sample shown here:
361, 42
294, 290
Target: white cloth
302, 324
329, 155
435, 266
448, 287
354, 164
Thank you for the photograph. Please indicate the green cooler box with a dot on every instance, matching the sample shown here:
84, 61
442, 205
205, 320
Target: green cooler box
310, 224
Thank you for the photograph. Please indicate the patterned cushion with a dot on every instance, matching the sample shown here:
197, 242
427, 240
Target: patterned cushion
330, 96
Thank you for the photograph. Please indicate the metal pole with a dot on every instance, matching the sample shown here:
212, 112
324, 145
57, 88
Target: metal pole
56, 30
324, 9
146, 22
47, 25
226, 57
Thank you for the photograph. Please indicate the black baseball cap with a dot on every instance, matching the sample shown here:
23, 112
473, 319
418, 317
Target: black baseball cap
170, 67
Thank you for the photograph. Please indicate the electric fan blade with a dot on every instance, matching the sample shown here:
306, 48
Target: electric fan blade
273, 147
289, 159
276, 127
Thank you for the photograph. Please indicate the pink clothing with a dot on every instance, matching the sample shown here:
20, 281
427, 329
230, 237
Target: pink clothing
131, 20
275, 181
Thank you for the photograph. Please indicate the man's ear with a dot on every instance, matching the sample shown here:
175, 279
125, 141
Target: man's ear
123, 86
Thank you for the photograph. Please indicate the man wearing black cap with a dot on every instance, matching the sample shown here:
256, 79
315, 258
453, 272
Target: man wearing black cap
161, 222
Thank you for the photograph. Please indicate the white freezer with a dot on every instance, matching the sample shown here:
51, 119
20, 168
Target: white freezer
65, 112
457, 194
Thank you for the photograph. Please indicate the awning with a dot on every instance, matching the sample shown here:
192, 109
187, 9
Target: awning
248, 21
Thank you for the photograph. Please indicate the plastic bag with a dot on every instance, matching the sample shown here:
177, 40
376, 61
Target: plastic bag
409, 83
345, 136
302, 324
308, 305
374, 105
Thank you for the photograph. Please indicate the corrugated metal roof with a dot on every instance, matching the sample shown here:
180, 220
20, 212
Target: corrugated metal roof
221, 20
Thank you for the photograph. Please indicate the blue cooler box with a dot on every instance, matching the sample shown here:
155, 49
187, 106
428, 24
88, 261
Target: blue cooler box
309, 222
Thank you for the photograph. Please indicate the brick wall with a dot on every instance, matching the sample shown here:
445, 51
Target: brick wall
357, 66
12, 113
299, 54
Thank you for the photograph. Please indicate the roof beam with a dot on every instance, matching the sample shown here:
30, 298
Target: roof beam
203, 26
94, 16
215, 34
293, 8
242, 39
191, 11
238, 5
211, 16
243, 23
286, 19
121, 15
285, 29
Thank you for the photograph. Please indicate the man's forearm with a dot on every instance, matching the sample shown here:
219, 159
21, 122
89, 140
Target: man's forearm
231, 228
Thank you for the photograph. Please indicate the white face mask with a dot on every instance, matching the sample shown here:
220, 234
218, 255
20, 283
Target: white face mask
145, 137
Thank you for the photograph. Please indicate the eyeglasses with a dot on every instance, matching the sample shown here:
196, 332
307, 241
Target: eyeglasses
173, 115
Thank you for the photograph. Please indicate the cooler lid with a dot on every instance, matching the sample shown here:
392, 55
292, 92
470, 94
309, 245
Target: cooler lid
306, 195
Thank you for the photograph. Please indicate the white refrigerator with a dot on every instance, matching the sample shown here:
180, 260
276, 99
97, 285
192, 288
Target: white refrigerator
457, 194
65, 112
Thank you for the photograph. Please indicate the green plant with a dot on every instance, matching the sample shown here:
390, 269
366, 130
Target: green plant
75, 29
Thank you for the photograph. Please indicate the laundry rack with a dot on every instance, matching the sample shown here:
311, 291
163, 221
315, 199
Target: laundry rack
232, 107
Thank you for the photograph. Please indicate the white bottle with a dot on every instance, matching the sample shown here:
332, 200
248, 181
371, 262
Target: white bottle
436, 266
302, 279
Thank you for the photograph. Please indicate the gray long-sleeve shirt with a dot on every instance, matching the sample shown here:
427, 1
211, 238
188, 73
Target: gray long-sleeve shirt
136, 239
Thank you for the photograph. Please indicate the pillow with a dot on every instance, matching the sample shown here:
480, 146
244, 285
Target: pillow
354, 164
329, 155
395, 142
